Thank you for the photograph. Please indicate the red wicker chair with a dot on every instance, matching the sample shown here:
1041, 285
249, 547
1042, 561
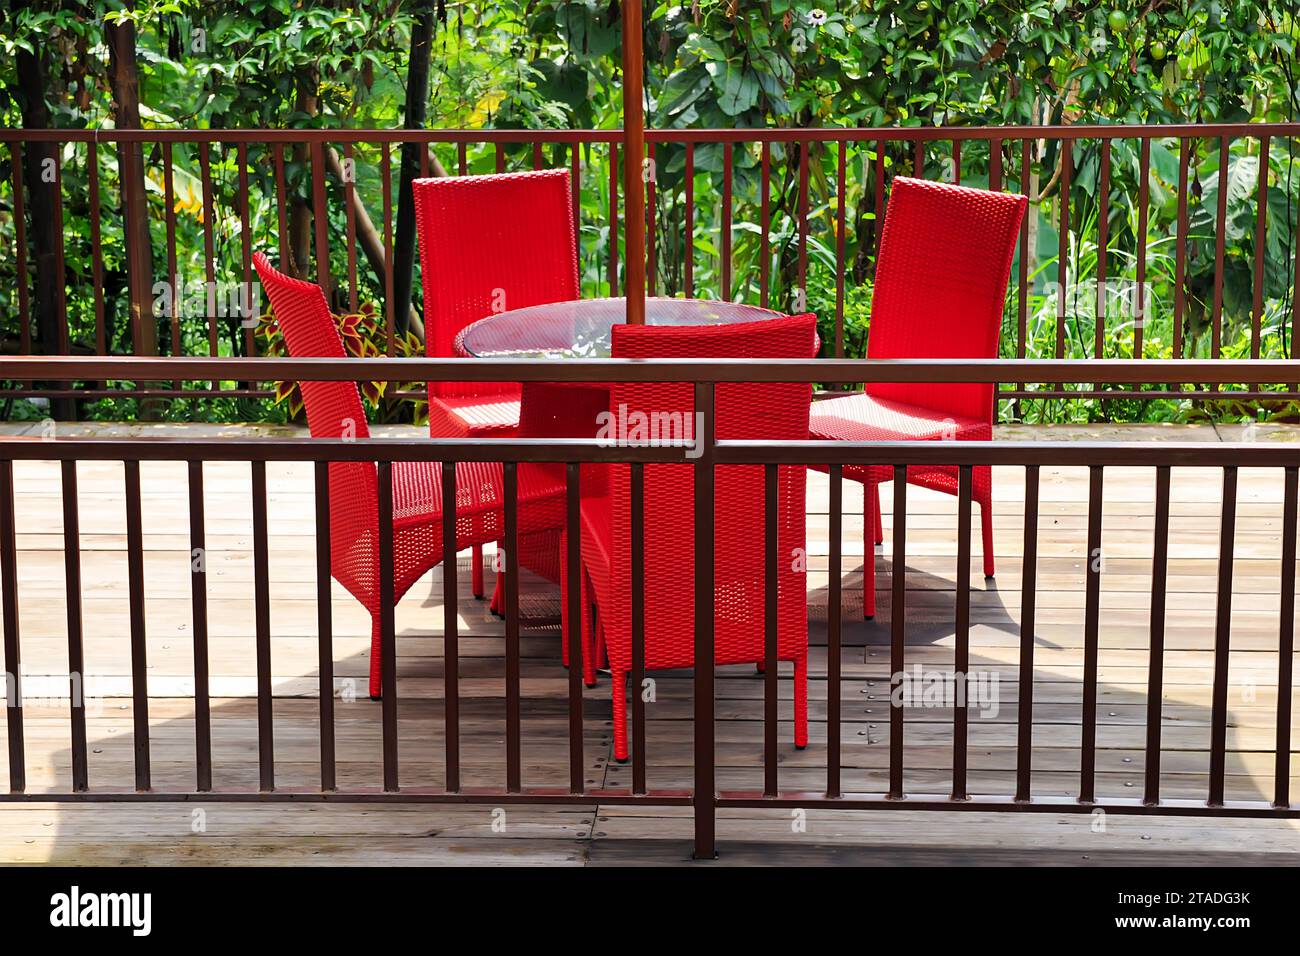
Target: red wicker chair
743, 411
334, 411
489, 244
941, 284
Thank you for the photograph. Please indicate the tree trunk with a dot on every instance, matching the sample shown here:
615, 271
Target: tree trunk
125, 83
417, 101
39, 160
299, 206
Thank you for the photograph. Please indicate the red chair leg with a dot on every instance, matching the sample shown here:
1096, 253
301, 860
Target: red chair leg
376, 659
564, 600
869, 561
986, 520
801, 702
476, 571
878, 527
619, 685
588, 633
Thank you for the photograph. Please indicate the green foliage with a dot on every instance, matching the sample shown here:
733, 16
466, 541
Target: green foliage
551, 64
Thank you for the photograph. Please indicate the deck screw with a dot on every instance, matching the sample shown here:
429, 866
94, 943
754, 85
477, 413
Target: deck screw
1128, 759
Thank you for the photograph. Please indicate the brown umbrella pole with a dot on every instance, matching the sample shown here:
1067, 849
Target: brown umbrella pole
633, 155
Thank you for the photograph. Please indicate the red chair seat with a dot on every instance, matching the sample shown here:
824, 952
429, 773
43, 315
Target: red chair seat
862, 417
493, 415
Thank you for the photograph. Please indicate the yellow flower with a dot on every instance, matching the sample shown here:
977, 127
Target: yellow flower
486, 105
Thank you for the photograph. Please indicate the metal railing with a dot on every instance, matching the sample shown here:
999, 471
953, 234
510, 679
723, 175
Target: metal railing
1004, 157
709, 452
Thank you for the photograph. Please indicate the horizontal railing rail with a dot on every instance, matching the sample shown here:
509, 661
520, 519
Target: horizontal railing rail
795, 221
839, 371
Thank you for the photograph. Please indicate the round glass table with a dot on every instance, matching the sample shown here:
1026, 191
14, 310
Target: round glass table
583, 328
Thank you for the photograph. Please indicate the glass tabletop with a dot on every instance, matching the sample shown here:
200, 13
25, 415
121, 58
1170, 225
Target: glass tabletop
582, 328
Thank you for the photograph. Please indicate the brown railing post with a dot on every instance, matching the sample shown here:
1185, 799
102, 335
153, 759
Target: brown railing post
705, 784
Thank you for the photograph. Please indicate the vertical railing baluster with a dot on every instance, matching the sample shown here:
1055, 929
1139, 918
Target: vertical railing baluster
1103, 250
76, 659
840, 214
1180, 246
450, 627
173, 272
770, 611
688, 232
20, 247
765, 223
800, 302
1222, 637
613, 220
1144, 192
199, 614
636, 502
387, 625
727, 157
320, 218
139, 656
386, 176
1261, 259
897, 630
1295, 299
995, 165
961, 653
1091, 635
60, 261
918, 158
1156, 667
350, 220
501, 158
705, 802
833, 630
246, 252
511, 489
262, 630
1028, 605
878, 225
96, 247
1066, 148
209, 245
1286, 641
573, 575
325, 627
1022, 281
956, 162
281, 206
13, 653
1220, 241
652, 228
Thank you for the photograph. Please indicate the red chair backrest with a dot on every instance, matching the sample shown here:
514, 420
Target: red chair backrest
333, 411
489, 244
743, 411
941, 285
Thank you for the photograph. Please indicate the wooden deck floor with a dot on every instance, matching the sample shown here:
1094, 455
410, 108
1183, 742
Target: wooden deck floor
117, 834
